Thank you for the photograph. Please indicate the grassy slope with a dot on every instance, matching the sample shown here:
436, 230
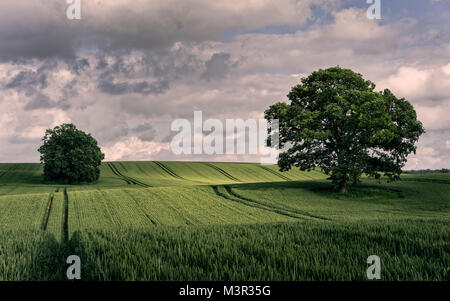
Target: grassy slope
30, 255
22, 212
227, 221
413, 250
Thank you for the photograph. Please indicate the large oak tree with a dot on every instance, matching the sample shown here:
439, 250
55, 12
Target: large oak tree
337, 122
70, 155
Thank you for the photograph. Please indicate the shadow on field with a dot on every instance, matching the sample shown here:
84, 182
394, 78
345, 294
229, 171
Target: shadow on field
325, 189
411, 250
425, 180
30, 256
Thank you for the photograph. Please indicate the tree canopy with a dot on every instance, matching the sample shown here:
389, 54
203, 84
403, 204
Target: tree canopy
337, 122
70, 155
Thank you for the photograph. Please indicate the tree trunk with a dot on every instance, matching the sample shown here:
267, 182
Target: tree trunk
343, 187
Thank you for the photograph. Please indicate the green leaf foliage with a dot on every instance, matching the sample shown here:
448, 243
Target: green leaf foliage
336, 121
70, 155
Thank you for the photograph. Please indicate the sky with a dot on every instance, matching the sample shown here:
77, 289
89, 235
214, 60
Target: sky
127, 69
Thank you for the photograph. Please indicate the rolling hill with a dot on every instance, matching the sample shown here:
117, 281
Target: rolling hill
220, 221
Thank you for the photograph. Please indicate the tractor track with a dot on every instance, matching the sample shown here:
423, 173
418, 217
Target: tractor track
140, 208
251, 204
223, 172
293, 213
275, 173
117, 174
168, 170
47, 212
65, 218
127, 179
292, 210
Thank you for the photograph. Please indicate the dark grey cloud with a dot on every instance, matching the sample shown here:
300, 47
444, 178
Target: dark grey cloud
28, 81
217, 66
112, 133
147, 136
33, 85
145, 132
39, 28
120, 76
31, 82
35, 30
39, 101
109, 85
143, 127
102, 63
150, 88
79, 65
41, 45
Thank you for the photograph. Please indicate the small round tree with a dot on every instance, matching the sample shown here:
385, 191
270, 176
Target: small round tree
70, 155
336, 121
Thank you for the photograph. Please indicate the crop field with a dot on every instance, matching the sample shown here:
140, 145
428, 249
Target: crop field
221, 221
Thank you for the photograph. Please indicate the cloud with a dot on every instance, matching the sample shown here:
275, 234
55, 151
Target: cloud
426, 84
40, 101
40, 29
135, 148
217, 66
27, 80
128, 69
34, 29
428, 157
110, 86
145, 131
434, 117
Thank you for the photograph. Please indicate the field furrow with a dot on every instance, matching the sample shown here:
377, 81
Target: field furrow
226, 192
279, 209
128, 179
226, 174
275, 173
47, 212
117, 174
168, 170
65, 218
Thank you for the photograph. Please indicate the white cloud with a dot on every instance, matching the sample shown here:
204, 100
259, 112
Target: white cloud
408, 81
420, 84
447, 144
352, 25
134, 148
446, 69
434, 117
426, 157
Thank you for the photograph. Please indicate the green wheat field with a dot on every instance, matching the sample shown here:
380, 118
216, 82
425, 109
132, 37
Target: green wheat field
221, 221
